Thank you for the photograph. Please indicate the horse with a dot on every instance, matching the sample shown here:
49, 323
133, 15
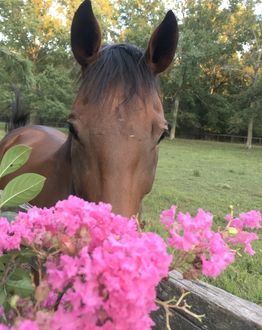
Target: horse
115, 125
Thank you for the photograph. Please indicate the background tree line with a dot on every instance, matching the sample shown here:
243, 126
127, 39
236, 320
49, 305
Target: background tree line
214, 85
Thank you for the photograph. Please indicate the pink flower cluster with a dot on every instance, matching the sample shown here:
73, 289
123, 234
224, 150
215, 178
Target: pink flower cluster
101, 272
195, 236
251, 219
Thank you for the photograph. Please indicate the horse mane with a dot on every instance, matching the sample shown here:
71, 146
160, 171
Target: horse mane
19, 116
117, 66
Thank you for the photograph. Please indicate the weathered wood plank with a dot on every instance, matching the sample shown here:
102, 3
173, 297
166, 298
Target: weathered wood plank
223, 310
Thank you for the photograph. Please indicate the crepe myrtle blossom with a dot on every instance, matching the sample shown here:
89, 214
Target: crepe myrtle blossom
248, 220
194, 235
99, 271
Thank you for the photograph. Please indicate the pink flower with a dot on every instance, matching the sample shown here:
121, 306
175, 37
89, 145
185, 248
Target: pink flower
8, 238
195, 236
216, 264
244, 238
237, 223
217, 244
167, 217
28, 325
203, 220
101, 273
50, 301
251, 219
4, 327
220, 256
106, 269
185, 242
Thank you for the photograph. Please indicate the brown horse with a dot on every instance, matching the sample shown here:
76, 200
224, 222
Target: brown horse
115, 125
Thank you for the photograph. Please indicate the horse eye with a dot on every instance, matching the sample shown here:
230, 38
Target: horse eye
72, 131
163, 136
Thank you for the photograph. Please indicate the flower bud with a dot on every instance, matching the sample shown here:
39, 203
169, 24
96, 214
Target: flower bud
13, 301
41, 292
232, 231
67, 244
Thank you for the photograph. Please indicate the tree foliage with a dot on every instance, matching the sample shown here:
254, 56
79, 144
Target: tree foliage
214, 84
210, 71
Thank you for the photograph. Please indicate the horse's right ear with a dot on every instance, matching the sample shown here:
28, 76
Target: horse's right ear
85, 34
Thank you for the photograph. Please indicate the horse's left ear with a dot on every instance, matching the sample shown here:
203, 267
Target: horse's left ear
85, 34
162, 45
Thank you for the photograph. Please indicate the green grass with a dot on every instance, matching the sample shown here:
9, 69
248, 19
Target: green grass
212, 176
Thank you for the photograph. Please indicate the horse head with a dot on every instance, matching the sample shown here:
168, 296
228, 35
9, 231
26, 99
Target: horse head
117, 119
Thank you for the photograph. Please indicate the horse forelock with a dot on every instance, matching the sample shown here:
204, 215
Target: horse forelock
119, 69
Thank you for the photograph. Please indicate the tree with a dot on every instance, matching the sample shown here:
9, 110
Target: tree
36, 49
195, 80
213, 86
31, 42
252, 63
136, 20
213, 41
13, 79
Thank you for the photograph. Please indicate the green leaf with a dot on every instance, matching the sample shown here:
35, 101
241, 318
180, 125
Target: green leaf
4, 259
2, 296
14, 158
18, 279
26, 256
22, 189
22, 286
2, 264
20, 283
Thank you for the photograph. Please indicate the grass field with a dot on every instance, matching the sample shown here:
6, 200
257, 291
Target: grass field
211, 175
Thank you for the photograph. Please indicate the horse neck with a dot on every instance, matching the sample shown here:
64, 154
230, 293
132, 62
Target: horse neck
64, 152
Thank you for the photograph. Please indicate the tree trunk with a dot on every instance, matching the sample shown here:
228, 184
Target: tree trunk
250, 132
34, 120
174, 122
252, 104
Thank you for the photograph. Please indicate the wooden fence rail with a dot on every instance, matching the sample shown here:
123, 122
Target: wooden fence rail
230, 138
223, 310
